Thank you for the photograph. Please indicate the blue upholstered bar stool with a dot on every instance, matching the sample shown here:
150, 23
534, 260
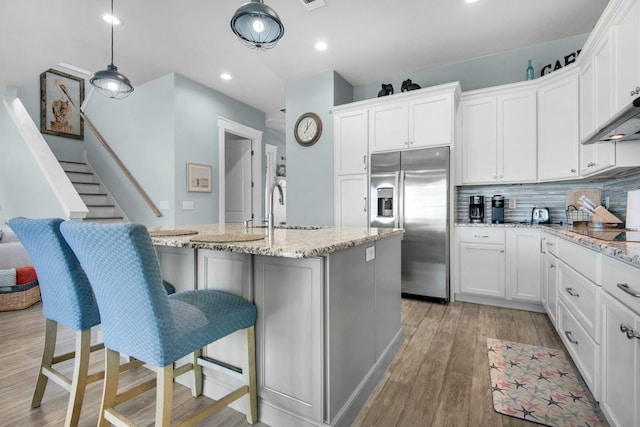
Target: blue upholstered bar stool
67, 299
139, 319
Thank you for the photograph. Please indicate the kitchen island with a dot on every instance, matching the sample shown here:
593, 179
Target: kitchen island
328, 301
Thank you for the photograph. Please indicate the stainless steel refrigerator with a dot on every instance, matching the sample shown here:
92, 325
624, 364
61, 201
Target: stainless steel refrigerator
410, 190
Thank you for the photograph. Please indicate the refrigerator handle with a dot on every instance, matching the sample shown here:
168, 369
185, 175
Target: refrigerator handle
396, 197
400, 217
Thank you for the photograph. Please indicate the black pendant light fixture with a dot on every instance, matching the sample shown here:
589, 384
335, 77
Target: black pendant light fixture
110, 82
257, 25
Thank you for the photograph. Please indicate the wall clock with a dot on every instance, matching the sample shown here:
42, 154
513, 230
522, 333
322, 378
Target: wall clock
308, 129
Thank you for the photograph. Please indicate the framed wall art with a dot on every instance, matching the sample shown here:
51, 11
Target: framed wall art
198, 178
61, 96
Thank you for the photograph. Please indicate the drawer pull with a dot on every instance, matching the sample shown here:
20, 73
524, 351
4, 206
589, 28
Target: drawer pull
477, 236
552, 266
625, 287
570, 337
631, 334
571, 292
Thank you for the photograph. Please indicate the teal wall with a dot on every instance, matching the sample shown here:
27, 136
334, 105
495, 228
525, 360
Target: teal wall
197, 110
310, 169
140, 130
487, 71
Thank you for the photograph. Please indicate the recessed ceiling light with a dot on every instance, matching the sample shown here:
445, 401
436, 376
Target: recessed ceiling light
470, 1
321, 46
112, 19
225, 76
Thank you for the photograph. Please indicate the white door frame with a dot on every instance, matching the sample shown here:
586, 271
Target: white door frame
224, 126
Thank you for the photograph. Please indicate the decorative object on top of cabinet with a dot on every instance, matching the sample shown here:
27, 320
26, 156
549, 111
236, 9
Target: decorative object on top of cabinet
530, 72
308, 129
408, 85
416, 119
387, 89
566, 60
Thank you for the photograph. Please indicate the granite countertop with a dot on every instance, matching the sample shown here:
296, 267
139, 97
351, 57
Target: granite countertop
284, 241
625, 251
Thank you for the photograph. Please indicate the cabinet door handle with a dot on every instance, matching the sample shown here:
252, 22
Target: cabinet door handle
631, 334
541, 241
552, 266
570, 337
625, 287
365, 204
571, 292
477, 236
364, 160
573, 171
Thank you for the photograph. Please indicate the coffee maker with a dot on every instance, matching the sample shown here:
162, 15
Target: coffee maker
476, 209
497, 209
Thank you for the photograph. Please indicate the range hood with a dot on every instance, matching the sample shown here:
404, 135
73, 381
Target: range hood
624, 126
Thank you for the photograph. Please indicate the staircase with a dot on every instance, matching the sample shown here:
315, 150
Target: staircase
101, 205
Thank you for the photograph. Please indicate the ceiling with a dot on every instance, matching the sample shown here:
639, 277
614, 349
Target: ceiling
368, 40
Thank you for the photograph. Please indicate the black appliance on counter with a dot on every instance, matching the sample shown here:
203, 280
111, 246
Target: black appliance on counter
497, 209
476, 209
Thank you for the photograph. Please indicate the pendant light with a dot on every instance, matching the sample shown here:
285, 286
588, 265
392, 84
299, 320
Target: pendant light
110, 82
257, 25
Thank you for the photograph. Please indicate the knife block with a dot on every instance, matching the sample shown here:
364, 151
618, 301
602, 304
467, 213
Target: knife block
602, 215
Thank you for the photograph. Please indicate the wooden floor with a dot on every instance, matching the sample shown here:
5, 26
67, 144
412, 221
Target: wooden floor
438, 378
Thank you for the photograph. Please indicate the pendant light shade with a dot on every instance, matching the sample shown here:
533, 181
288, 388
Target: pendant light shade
257, 25
111, 82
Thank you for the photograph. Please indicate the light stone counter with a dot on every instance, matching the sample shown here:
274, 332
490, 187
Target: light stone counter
625, 251
284, 241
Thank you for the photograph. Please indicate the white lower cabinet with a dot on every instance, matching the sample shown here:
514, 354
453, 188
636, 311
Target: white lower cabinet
620, 302
523, 264
351, 201
501, 264
584, 351
620, 364
549, 295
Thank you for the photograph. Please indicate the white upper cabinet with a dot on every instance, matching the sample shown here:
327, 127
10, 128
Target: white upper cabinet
626, 35
593, 157
479, 148
558, 127
499, 137
389, 127
424, 118
350, 142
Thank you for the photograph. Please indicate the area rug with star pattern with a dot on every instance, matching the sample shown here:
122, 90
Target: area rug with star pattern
539, 384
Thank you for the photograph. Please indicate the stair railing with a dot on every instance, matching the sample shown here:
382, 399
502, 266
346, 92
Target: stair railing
121, 165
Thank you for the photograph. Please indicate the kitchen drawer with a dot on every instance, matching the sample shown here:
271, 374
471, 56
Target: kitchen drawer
582, 297
580, 259
584, 351
492, 235
622, 281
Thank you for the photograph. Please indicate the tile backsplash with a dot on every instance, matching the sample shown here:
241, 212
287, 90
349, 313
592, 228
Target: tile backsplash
546, 195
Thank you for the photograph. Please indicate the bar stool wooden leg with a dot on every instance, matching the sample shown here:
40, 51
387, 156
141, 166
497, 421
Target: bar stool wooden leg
249, 375
50, 335
79, 381
164, 395
196, 387
110, 390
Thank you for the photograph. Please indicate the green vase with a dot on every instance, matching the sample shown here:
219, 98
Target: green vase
530, 71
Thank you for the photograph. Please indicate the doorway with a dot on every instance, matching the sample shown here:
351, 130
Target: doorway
240, 177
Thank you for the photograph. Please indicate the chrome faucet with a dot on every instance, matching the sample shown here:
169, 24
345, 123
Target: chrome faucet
271, 190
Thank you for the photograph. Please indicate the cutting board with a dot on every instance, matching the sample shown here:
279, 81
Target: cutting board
594, 194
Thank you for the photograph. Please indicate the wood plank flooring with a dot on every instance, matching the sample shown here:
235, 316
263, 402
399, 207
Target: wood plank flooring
438, 377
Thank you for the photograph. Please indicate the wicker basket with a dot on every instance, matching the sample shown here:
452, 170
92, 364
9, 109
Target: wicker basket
20, 297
